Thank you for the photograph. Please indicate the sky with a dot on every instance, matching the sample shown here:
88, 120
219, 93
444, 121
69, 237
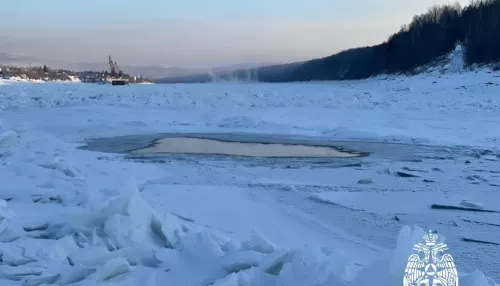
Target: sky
199, 33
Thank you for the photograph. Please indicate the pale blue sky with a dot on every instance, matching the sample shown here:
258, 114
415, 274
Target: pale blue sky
199, 33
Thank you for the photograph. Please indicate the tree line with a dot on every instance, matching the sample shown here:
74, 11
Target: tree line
427, 38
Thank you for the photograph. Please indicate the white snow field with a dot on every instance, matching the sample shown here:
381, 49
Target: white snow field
76, 217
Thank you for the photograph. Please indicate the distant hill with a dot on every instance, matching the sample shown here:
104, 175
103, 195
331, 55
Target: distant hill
17, 60
144, 71
473, 30
152, 72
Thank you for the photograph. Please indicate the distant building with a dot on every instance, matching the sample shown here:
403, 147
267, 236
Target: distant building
5, 74
90, 77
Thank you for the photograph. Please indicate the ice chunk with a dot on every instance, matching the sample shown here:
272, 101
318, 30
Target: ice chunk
476, 278
169, 228
42, 279
96, 257
3, 204
58, 250
72, 274
18, 273
9, 139
111, 269
407, 239
390, 266
472, 205
128, 221
258, 243
5, 215
60, 164
48, 197
231, 246
273, 264
167, 255
12, 254
234, 279
312, 267
242, 260
489, 157
201, 244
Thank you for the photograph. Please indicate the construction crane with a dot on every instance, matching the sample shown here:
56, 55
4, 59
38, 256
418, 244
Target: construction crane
114, 69
116, 73
120, 72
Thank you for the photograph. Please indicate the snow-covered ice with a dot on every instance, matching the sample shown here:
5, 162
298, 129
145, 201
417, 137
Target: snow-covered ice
70, 216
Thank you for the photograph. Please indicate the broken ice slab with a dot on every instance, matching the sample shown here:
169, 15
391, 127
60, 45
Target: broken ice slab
479, 241
473, 205
448, 207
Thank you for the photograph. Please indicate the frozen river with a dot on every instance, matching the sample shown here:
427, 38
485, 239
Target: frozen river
265, 184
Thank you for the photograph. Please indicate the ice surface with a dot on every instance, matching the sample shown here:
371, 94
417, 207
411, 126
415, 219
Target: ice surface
73, 217
208, 146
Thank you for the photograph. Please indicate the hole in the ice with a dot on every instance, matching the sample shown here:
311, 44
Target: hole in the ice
186, 145
154, 147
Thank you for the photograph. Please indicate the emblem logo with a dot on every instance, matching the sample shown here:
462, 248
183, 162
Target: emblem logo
434, 269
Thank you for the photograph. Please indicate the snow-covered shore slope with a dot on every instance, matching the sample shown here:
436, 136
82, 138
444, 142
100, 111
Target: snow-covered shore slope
69, 216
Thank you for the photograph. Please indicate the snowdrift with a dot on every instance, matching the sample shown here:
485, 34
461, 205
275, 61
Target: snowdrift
127, 240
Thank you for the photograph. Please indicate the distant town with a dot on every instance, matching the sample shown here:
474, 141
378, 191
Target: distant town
45, 73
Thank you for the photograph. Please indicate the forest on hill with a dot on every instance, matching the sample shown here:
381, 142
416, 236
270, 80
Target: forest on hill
427, 38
